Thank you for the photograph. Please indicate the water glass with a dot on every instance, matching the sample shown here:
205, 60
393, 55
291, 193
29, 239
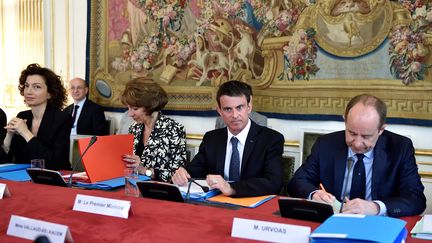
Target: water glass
131, 177
37, 163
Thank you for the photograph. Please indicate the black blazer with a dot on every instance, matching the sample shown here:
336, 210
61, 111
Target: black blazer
3, 121
395, 178
91, 120
261, 168
51, 142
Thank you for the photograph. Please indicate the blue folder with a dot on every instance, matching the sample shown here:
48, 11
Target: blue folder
11, 167
15, 175
108, 184
360, 228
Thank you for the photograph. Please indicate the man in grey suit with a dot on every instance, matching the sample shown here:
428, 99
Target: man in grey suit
243, 159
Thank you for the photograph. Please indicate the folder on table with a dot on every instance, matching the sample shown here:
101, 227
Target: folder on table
103, 161
12, 167
423, 228
249, 202
360, 228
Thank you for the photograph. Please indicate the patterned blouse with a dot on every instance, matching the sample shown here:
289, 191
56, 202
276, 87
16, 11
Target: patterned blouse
165, 151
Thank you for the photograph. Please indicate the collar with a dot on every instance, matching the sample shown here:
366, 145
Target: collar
369, 154
242, 135
81, 102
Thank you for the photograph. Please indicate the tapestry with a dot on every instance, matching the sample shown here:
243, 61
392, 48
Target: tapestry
301, 57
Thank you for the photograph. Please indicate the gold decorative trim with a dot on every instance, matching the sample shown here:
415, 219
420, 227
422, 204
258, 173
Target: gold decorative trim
426, 152
294, 143
424, 174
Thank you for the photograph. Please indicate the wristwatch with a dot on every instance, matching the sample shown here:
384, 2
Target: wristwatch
148, 173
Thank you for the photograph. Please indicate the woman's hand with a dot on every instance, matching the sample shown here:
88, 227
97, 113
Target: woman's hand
131, 160
19, 126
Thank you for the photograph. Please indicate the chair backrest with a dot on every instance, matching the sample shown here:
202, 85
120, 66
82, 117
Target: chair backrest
288, 165
308, 138
254, 116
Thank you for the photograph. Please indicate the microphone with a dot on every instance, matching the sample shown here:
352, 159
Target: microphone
190, 181
204, 188
350, 162
92, 141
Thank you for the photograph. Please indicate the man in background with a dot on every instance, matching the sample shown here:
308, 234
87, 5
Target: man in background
88, 117
373, 170
244, 159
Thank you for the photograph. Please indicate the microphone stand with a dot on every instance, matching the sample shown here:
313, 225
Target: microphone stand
190, 181
92, 141
350, 163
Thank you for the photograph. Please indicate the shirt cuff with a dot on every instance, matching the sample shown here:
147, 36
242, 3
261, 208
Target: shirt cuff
311, 194
382, 208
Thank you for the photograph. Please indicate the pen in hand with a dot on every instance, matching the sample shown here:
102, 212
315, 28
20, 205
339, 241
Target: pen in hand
322, 187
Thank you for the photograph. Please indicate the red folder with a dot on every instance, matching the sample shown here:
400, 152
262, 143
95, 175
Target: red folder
103, 160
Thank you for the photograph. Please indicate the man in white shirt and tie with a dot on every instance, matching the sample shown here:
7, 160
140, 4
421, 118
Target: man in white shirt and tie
243, 159
89, 117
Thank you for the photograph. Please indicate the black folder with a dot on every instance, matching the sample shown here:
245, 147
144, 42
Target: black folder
48, 177
160, 190
304, 209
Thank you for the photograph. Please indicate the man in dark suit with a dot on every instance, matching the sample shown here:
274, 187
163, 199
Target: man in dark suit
244, 159
89, 117
372, 169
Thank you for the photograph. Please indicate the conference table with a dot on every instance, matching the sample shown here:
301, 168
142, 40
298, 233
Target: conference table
152, 220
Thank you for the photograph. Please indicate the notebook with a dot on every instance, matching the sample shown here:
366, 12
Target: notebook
103, 160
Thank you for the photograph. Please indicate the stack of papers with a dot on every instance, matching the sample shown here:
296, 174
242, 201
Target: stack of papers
423, 228
196, 192
360, 228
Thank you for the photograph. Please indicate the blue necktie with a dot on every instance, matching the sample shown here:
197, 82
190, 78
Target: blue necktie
358, 185
234, 169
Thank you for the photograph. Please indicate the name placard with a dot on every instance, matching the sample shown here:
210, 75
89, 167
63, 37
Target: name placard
269, 231
4, 191
101, 205
30, 229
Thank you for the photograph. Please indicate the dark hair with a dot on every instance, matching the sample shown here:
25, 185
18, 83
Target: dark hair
144, 92
234, 88
369, 100
53, 82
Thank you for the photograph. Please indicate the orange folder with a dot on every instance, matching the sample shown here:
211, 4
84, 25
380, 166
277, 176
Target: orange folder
103, 160
250, 202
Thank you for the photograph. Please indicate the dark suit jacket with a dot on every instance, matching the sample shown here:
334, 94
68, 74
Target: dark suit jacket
91, 120
261, 168
51, 142
3, 121
395, 178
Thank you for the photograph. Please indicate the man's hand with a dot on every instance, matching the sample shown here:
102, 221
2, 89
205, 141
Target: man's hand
323, 196
360, 206
217, 182
180, 177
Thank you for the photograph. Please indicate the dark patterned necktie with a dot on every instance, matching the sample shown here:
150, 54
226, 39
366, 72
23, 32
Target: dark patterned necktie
74, 114
358, 185
234, 169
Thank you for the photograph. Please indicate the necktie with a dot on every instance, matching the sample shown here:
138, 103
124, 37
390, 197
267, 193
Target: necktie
74, 114
234, 169
358, 185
